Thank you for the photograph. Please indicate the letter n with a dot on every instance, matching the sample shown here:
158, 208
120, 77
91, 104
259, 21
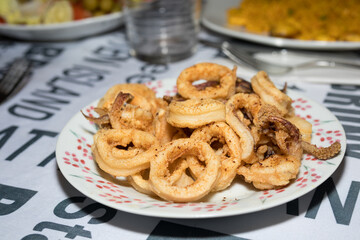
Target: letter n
342, 213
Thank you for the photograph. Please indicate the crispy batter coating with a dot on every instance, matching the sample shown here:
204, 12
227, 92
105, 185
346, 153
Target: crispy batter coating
180, 148
208, 72
195, 113
270, 94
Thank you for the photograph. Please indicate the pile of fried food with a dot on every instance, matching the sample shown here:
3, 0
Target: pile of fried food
183, 147
321, 20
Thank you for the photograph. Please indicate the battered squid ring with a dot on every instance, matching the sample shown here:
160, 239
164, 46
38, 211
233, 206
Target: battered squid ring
174, 150
194, 113
140, 180
209, 72
270, 94
129, 160
163, 131
230, 157
236, 121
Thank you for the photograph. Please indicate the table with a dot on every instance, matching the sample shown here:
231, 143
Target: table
37, 203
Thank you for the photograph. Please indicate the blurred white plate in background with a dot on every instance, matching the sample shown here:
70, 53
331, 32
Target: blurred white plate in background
63, 31
214, 18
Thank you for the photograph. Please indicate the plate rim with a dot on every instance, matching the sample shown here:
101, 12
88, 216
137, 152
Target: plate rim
57, 26
66, 31
195, 215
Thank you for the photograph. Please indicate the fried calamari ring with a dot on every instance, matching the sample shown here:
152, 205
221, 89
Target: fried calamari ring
174, 150
273, 172
184, 180
163, 131
230, 153
209, 72
239, 124
194, 113
123, 152
270, 94
140, 180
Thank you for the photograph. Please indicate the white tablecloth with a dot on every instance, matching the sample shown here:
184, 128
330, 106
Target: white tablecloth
36, 202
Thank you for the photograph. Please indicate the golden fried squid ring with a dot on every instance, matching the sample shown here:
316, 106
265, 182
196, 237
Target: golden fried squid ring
123, 152
230, 153
237, 121
140, 180
270, 94
209, 72
184, 180
194, 113
273, 172
144, 97
174, 150
163, 131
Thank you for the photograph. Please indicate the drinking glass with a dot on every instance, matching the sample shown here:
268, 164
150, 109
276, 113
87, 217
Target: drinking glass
161, 31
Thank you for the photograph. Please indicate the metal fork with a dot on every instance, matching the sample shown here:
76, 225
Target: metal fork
15, 77
241, 56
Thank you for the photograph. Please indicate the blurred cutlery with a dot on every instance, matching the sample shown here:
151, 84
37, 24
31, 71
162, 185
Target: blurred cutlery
14, 78
241, 56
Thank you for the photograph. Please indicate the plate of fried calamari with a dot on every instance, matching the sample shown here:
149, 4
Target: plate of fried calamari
208, 144
301, 24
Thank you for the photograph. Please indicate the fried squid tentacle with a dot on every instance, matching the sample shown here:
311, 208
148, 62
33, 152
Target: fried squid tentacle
102, 120
286, 135
321, 153
123, 115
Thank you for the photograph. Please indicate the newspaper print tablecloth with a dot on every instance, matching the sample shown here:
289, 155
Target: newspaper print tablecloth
36, 202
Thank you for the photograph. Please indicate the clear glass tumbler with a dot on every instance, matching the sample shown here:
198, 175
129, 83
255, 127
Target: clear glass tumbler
161, 31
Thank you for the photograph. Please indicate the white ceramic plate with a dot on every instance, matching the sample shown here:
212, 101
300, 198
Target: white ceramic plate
75, 161
214, 18
63, 31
